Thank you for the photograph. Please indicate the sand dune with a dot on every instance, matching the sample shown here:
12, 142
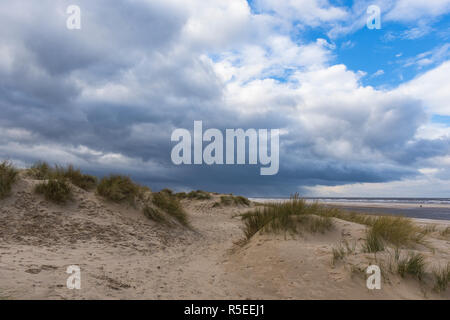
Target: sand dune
123, 255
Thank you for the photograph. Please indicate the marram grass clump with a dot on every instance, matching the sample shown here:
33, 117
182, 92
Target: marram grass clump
228, 200
119, 188
76, 177
291, 216
442, 278
373, 242
171, 205
398, 231
154, 214
56, 190
43, 171
199, 195
8, 175
413, 265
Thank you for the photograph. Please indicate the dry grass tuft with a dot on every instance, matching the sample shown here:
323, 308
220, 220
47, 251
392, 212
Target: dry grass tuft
170, 204
154, 214
43, 171
57, 190
397, 230
286, 216
199, 195
119, 188
413, 265
229, 200
76, 177
40, 171
442, 278
8, 175
373, 242
445, 233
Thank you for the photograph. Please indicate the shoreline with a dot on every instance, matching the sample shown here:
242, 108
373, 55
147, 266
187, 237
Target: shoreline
427, 211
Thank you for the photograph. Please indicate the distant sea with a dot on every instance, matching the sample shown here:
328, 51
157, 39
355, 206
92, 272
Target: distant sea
422, 208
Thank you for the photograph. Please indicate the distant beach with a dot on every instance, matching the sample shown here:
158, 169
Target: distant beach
419, 208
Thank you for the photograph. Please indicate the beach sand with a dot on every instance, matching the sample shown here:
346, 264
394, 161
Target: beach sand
123, 255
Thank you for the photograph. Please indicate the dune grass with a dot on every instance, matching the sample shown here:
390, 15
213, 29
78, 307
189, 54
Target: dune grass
43, 171
351, 216
57, 190
373, 242
171, 205
339, 253
425, 230
341, 250
119, 189
442, 278
445, 233
40, 171
8, 175
154, 214
413, 265
76, 177
398, 231
228, 200
167, 190
199, 195
290, 216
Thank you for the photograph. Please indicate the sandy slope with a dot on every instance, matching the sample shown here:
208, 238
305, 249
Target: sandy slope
122, 255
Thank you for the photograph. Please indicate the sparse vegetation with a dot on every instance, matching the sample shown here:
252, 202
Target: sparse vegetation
286, 216
347, 216
341, 250
445, 233
413, 265
154, 214
199, 195
397, 230
373, 242
170, 204
43, 171
338, 254
181, 195
229, 200
40, 171
427, 229
442, 278
167, 190
8, 175
56, 190
118, 188
81, 180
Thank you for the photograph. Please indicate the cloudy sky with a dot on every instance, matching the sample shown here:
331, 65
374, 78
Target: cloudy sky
362, 112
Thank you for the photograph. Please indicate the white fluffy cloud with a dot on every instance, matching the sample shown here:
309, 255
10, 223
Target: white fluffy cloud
432, 88
413, 10
308, 12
